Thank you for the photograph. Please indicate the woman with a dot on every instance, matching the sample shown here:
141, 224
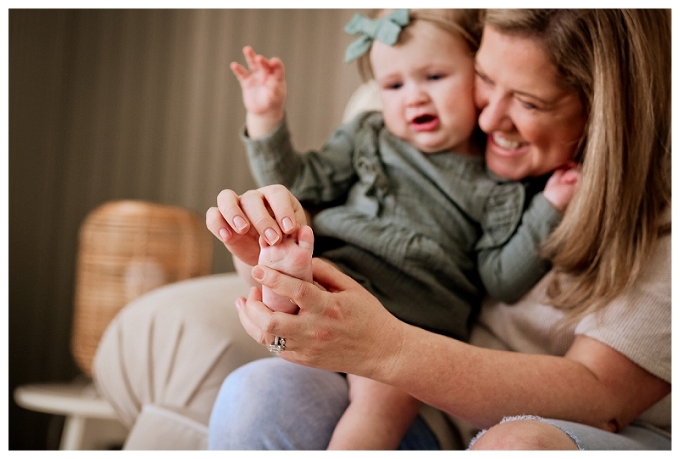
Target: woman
594, 335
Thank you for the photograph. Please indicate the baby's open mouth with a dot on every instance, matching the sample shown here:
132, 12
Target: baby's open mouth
425, 123
422, 119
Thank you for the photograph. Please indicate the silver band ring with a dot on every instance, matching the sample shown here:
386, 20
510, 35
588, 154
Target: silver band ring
278, 345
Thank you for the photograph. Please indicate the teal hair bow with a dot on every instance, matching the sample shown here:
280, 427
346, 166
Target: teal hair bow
385, 29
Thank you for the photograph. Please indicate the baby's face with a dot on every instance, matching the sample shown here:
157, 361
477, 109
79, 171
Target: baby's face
426, 86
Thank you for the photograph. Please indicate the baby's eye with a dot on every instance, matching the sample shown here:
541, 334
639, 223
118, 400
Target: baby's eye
393, 85
435, 76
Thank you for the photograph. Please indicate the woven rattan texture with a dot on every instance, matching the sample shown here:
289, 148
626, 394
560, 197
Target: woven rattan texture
127, 248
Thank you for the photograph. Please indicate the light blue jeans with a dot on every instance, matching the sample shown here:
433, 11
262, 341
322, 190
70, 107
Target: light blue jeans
632, 437
271, 404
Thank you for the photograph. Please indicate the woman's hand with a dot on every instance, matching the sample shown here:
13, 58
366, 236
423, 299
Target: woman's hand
340, 325
238, 221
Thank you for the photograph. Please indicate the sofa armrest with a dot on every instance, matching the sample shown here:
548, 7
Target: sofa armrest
172, 348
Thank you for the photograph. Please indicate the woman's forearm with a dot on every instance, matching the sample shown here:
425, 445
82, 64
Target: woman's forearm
479, 385
593, 384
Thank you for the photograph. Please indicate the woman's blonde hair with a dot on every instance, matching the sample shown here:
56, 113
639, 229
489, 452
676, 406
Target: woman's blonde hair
619, 61
463, 23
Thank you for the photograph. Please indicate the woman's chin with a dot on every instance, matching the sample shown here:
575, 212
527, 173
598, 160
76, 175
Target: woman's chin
504, 169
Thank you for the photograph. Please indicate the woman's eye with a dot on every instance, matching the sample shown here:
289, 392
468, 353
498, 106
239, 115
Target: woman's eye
528, 105
484, 78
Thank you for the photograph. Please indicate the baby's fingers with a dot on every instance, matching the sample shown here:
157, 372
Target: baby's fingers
240, 71
275, 67
251, 57
571, 176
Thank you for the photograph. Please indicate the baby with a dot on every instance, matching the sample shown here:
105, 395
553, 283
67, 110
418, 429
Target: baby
403, 200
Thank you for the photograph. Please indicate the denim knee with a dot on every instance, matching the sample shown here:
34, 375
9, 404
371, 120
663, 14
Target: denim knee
633, 437
274, 404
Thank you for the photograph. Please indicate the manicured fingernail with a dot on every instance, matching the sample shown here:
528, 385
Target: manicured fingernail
240, 223
271, 235
287, 224
223, 234
257, 273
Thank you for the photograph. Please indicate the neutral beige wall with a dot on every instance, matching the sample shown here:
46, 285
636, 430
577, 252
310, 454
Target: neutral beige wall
134, 104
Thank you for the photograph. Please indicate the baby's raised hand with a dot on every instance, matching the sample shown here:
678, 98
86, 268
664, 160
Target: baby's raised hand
562, 185
263, 84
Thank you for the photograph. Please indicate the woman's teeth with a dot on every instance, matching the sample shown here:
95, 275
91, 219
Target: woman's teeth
505, 143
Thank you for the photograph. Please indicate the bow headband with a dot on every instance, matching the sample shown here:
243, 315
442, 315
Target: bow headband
385, 29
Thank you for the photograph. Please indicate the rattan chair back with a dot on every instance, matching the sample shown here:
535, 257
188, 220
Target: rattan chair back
127, 248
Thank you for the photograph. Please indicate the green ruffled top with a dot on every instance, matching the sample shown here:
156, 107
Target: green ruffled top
428, 234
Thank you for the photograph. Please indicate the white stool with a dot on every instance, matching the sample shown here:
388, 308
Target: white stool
90, 422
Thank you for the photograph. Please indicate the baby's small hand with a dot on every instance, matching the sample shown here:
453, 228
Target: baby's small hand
263, 85
561, 186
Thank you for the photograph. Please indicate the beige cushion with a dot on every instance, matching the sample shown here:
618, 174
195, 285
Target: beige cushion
160, 428
172, 349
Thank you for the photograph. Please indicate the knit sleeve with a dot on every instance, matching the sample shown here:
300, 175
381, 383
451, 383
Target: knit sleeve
638, 322
514, 265
314, 176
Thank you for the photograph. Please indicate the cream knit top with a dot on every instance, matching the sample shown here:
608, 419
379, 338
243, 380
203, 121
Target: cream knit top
637, 324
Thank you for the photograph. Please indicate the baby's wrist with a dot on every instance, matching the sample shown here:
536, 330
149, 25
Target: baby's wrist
260, 125
555, 200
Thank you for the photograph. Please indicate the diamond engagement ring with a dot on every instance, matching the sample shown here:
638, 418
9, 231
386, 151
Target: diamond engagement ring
278, 345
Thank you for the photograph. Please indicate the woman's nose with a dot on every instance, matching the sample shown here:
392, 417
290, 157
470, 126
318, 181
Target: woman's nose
494, 113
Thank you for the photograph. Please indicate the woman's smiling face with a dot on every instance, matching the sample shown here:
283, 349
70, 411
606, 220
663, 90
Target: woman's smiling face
533, 123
